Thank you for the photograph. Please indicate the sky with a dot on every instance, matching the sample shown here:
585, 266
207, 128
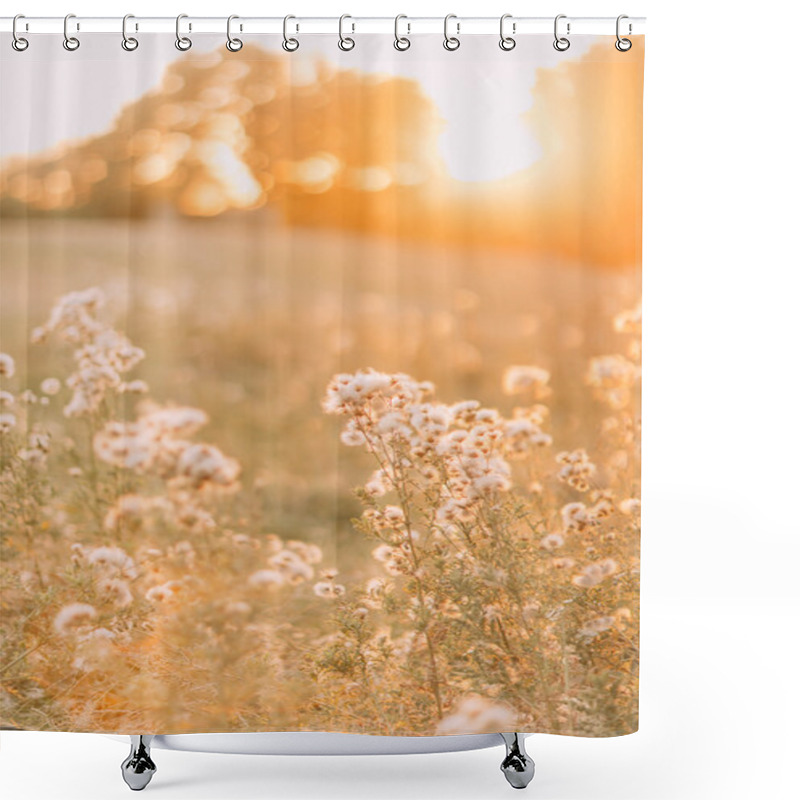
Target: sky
58, 96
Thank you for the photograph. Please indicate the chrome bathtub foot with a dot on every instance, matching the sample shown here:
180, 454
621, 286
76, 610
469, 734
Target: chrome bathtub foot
138, 768
517, 766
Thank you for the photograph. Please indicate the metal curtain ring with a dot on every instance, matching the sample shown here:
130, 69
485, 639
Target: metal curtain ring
451, 42
129, 43
233, 44
18, 42
401, 42
71, 43
507, 42
346, 42
623, 45
290, 44
561, 43
183, 43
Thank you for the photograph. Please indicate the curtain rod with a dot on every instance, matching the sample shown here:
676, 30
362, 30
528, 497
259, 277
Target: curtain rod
325, 25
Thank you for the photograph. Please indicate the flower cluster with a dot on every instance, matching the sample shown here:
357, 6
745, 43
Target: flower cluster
7, 418
103, 355
613, 377
519, 379
496, 588
576, 469
459, 452
157, 443
464, 555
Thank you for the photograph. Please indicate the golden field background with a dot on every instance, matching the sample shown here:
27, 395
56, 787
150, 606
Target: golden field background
208, 547
357, 150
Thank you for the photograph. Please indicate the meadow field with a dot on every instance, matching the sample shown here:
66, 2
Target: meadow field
262, 477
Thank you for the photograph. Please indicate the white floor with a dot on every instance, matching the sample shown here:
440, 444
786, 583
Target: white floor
719, 719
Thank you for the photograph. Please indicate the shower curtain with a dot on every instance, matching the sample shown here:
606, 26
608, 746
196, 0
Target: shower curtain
320, 385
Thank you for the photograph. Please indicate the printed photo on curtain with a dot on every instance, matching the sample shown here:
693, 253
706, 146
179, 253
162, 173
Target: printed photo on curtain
320, 385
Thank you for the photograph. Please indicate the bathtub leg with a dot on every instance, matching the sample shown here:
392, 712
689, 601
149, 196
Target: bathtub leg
517, 766
138, 768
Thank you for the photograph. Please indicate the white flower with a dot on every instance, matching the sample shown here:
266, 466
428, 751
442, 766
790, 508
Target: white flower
174, 421
348, 394
118, 591
310, 553
383, 552
352, 437
134, 387
203, 463
608, 372
475, 714
518, 379
74, 315
93, 648
522, 433
266, 579
629, 321
488, 475
33, 456
376, 589
492, 482
72, 617
552, 541
613, 376
576, 468
39, 440
464, 411
51, 386
77, 406
353, 390
576, 516
102, 355
124, 445
7, 422
392, 559
632, 506
393, 425
111, 560
130, 507
6, 366
394, 516
328, 590
431, 417
594, 573
329, 574
293, 568
378, 484
164, 592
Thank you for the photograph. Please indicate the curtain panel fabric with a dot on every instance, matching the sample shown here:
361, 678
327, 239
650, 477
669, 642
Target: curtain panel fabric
320, 386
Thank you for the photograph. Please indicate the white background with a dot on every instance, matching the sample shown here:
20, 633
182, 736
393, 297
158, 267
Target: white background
720, 695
